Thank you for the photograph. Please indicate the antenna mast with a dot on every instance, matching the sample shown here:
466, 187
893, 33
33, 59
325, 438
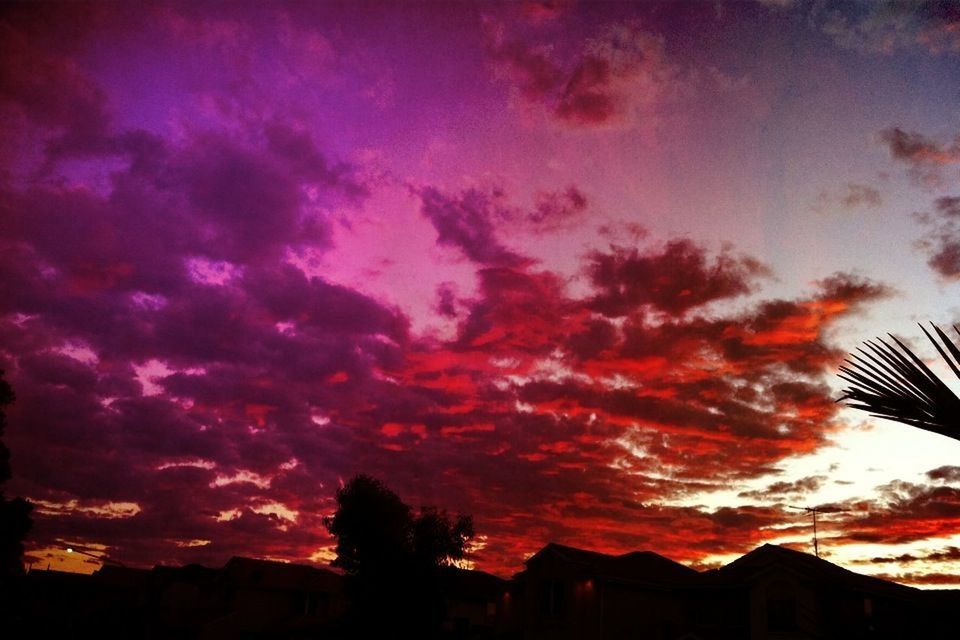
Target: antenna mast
812, 511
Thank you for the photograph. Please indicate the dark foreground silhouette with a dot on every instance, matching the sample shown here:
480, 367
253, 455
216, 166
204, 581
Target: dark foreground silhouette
563, 592
14, 513
890, 381
396, 564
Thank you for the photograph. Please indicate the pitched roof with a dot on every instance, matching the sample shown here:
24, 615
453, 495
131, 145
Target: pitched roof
812, 567
270, 574
636, 566
470, 584
121, 576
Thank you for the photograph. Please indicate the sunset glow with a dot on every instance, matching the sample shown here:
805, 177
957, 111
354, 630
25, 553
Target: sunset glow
583, 270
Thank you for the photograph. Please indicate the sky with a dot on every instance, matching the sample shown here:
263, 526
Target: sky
585, 271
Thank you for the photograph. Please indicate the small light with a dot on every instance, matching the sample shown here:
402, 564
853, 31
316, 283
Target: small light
69, 549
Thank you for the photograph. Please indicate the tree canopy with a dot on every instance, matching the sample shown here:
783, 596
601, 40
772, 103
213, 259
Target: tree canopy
392, 557
376, 531
14, 514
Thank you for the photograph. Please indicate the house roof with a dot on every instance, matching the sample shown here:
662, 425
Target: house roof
471, 584
817, 569
190, 573
270, 574
121, 576
636, 566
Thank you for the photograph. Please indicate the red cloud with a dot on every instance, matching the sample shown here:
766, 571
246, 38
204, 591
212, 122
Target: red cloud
616, 74
905, 512
185, 393
673, 280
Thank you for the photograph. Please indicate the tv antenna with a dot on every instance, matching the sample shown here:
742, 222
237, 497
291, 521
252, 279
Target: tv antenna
812, 511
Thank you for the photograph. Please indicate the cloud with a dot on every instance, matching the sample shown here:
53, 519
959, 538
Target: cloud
42, 87
619, 72
912, 147
675, 280
530, 68
782, 490
447, 300
932, 578
545, 418
903, 512
887, 27
923, 156
184, 375
942, 240
949, 553
472, 219
467, 222
539, 11
945, 473
614, 76
557, 210
850, 196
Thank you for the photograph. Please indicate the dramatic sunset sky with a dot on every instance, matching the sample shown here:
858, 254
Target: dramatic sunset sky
585, 271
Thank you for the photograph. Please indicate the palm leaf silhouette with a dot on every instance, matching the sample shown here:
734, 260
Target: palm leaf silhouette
893, 383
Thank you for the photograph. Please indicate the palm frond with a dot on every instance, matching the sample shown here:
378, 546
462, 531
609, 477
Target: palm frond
889, 381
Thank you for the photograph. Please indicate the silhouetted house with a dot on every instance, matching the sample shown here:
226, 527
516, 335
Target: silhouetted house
771, 593
179, 600
476, 604
777, 593
105, 604
268, 599
54, 602
571, 593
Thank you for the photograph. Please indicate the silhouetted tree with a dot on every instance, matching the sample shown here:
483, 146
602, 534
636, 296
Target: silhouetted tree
392, 559
15, 513
895, 384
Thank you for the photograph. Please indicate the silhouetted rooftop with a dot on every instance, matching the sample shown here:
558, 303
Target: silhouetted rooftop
636, 566
472, 584
270, 574
768, 555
